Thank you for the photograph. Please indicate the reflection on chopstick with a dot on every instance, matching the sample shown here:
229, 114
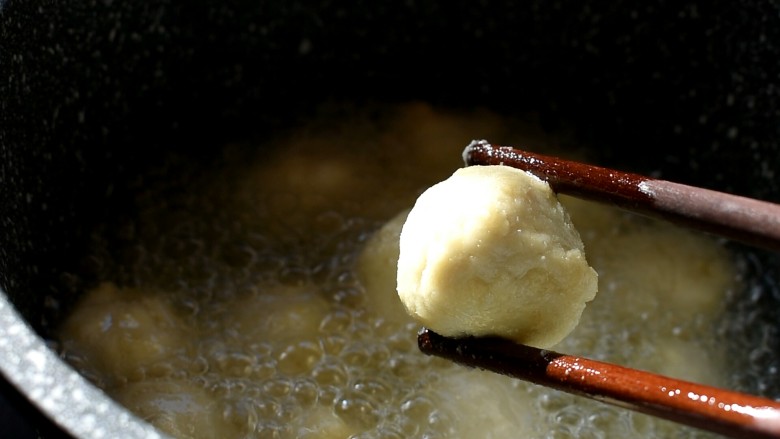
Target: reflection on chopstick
743, 219
721, 411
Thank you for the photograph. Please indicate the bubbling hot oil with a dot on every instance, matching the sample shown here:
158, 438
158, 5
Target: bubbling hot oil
246, 282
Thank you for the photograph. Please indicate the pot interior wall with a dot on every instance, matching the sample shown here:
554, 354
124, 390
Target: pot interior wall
99, 92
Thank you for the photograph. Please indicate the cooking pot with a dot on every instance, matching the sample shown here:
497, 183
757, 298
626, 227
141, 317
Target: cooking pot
96, 93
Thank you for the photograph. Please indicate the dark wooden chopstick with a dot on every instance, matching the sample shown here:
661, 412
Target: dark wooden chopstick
721, 411
739, 218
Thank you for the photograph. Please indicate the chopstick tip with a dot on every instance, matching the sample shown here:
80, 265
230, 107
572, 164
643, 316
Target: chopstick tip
424, 341
471, 147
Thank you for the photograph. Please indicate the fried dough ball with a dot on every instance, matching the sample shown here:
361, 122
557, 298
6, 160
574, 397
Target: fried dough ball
505, 411
376, 271
283, 314
491, 251
176, 407
321, 423
124, 332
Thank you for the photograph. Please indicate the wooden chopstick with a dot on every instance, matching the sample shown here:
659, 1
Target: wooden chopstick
739, 218
721, 411
743, 219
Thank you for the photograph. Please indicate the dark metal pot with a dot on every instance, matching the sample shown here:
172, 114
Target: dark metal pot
93, 93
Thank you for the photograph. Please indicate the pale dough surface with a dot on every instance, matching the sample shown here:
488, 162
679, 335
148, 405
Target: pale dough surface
491, 251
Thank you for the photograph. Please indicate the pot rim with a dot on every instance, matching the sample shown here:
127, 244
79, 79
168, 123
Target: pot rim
58, 391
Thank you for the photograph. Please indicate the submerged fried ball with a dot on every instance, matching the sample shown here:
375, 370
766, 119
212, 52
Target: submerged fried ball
124, 332
176, 407
375, 271
284, 314
491, 251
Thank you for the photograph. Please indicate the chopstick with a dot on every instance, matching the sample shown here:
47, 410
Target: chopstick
721, 411
738, 218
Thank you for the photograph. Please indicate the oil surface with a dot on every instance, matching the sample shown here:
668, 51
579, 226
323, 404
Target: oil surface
236, 306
